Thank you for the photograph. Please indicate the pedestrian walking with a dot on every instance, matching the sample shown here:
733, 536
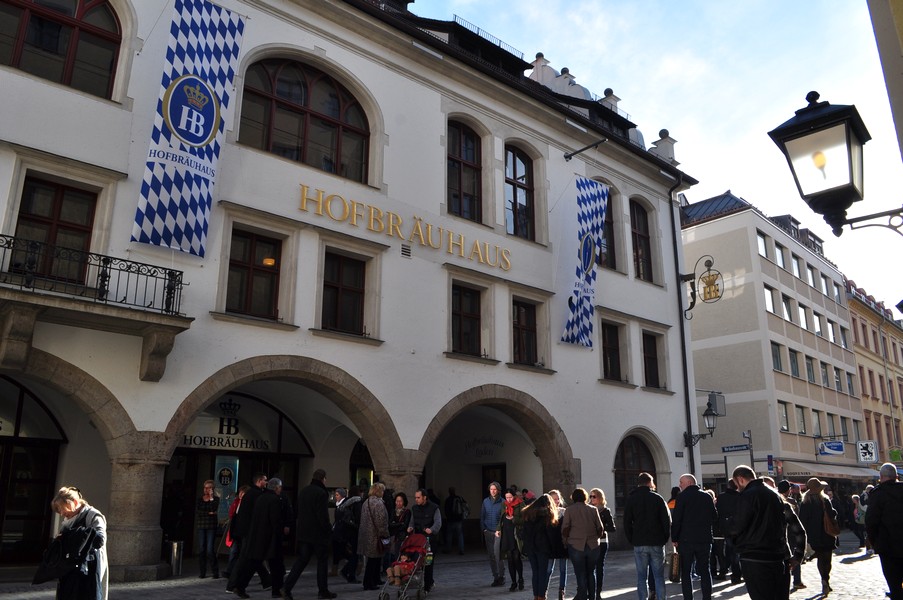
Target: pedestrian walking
597, 499
490, 513
509, 534
581, 530
884, 523
691, 531
813, 509
314, 534
91, 580
647, 525
542, 540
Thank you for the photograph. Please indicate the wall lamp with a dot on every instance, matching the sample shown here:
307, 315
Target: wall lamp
823, 146
710, 418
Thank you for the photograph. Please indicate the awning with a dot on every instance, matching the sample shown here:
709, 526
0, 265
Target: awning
801, 469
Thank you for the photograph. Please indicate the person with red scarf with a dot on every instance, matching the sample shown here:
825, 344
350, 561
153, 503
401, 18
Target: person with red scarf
509, 530
233, 548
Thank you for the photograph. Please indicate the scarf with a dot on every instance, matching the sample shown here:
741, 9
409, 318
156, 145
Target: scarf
509, 506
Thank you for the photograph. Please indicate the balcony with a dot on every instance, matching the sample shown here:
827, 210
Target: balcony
52, 284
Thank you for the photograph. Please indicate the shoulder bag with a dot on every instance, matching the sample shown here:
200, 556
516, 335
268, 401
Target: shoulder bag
830, 525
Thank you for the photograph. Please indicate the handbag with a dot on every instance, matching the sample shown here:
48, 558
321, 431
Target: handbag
674, 574
831, 526
66, 553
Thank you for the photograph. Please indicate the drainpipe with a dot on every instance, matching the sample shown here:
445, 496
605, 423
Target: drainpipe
689, 404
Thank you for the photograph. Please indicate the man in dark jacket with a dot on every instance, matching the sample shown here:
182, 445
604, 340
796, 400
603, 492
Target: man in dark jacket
647, 525
884, 523
314, 534
759, 530
242, 531
425, 519
264, 540
691, 531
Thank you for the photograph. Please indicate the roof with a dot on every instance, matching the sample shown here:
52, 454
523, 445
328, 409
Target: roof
711, 208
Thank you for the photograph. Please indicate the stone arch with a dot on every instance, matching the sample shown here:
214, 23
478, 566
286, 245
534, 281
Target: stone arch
360, 405
664, 475
113, 422
559, 468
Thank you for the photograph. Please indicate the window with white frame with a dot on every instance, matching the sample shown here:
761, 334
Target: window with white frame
796, 262
762, 242
776, 357
844, 428
816, 323
825, 381
779, 255
794, 363
832, 335
850, 390
829, 421
816, 423
838, 379
826, 286
803, 317
810, 275
783, 417
800, 420
787, 308
810, 369
837, 294
769, 299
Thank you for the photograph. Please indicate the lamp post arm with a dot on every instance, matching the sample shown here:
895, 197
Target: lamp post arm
891, 223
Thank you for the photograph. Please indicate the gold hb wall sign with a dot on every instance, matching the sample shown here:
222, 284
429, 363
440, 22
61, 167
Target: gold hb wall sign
388, 223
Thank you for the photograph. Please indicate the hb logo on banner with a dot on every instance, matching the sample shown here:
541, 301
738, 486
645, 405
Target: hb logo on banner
191, 110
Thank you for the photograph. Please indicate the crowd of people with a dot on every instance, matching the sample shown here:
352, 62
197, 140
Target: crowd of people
757, 530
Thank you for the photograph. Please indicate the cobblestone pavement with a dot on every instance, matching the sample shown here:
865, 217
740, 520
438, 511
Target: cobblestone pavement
855, 575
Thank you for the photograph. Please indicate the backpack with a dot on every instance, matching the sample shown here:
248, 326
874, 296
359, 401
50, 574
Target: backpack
460, 508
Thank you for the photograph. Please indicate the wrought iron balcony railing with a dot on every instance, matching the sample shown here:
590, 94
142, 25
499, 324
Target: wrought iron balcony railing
36, 266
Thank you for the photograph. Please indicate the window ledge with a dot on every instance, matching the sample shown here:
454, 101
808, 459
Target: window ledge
531, 368
471, 358
249, 320
348, 337
663, 391
617, 383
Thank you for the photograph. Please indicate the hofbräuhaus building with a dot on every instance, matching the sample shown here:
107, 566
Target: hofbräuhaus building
276, 236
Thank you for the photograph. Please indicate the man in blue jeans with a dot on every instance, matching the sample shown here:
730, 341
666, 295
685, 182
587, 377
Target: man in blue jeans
691, 532
647, 525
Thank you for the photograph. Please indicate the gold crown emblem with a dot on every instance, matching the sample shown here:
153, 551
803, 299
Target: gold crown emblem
229, 407
195, 96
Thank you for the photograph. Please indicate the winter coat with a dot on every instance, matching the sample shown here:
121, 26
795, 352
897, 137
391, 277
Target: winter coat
694, 516
812, 517
647, 521
608, 523
884, 519
374, 527
490, 513
313, 514
264, 539
541, 538
95, 585
758, 525
581, 526
510, 530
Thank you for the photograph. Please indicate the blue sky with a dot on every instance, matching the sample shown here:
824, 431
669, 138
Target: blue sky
719, 76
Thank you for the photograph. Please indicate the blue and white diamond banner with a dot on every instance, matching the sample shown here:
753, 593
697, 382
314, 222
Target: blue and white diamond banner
592, 200
180, 173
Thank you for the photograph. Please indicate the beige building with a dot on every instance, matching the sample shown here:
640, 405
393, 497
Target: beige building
878, 345
777, 345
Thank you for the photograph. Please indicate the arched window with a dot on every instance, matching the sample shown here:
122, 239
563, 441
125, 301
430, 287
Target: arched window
633, 457
464, 173
73, 42
300, 113
519, 219
642, 244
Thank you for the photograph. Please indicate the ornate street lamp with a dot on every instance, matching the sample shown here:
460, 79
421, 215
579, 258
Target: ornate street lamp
823, 146
710, 418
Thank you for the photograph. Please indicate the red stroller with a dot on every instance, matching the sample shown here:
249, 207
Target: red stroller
407, 571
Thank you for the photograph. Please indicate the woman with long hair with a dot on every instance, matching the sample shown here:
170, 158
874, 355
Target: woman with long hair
560, 556
541, 537
597, 499
509, 532
206, 520
581, 529
374, 528
812, 514
91, 582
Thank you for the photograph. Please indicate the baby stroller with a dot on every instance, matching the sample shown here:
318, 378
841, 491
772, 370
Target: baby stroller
407, 571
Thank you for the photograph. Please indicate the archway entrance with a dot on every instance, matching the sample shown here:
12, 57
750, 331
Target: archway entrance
633, 457
30, 440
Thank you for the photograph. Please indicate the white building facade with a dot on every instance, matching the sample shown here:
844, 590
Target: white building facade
389, 254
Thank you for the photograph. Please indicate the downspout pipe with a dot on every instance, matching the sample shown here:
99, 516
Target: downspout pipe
689, 403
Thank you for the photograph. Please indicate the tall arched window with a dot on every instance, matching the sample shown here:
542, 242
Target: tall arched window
464, 172
73, 42
633, 457
301, 113
519, 218
642, 244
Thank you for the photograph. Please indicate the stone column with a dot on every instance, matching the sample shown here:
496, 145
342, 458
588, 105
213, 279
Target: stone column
133, 521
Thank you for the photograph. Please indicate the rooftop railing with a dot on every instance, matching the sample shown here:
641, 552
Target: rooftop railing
39, 267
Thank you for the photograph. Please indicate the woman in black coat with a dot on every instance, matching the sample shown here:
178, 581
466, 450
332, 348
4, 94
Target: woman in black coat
542, 541
90, 582
812, 511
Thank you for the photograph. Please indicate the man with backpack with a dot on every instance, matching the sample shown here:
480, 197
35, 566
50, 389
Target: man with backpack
456, 511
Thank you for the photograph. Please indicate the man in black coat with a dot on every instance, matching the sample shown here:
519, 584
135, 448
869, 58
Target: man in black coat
691, 531
264, 540
759, 529
727, 504
884, 523
647, 525
314, 535
242, 530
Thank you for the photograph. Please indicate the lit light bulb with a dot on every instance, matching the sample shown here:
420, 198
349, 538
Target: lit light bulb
820, 160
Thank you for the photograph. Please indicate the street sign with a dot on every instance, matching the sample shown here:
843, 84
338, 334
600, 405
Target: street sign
735, 448
831, 447
867, 451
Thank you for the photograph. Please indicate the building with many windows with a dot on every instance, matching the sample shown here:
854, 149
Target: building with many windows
354, 246
777, 345
878, 344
